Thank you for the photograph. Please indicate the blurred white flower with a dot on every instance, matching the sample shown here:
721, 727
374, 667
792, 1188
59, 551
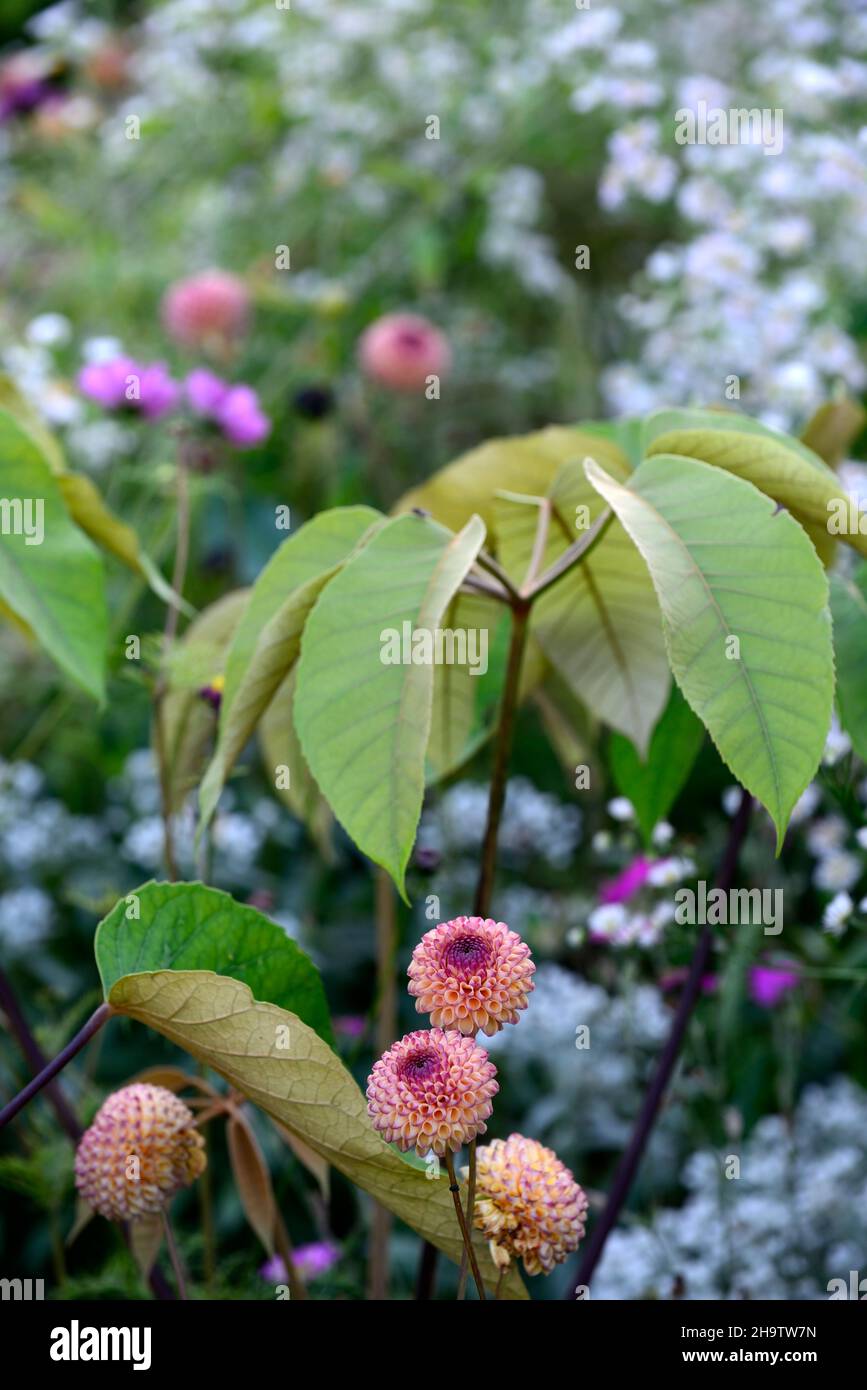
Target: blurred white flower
837, 913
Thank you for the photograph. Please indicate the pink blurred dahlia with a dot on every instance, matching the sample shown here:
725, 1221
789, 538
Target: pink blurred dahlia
141, 1149
210, 306
403, 350
471, 973
528, 1204
431, 1091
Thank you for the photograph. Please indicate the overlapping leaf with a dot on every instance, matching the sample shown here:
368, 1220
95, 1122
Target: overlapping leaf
364, 724
653, 784
187, 926
726, 565
849, 610
55, 584
525, 464
779, 466
296, 787
188, 721
267, 638
288, 1071
599, 625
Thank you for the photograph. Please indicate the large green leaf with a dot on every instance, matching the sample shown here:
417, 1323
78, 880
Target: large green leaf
726, 564
599, 625
83, 499
297, 789
459, 695
849, 611
783, 468
288, 1071
194, 662
267, 638
833, 428
56, 586
653, 785
364, 725
526, 464
187, 926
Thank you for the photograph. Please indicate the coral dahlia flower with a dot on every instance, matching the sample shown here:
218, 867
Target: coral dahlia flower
471, 973
141, 1149
527, 1204
431, 1091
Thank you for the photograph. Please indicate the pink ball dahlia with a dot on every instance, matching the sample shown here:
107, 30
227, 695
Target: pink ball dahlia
528, 1204
403, 350
472, 973
431, 1091
205, 307
141, 1149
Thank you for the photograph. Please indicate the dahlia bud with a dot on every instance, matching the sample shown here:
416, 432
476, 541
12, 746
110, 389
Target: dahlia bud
432, 1091
403, 350
207, 307
141, 1149
528, 1205
471, 973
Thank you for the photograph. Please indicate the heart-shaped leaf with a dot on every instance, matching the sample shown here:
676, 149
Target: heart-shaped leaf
186, 926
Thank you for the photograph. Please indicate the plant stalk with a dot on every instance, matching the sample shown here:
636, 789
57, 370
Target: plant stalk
386, 1028
36, 1059
502, 753
161, 688
47, 1074
634, 1152
462, 1222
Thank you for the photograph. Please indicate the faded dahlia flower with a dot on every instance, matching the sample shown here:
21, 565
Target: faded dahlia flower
211, 306
141, 1149
472, 973
403, 350
527, 1204
431, 1091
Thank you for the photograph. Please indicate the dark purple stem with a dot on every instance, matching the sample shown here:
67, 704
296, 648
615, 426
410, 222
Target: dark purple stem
35, 1058
634, 1153
93, 1025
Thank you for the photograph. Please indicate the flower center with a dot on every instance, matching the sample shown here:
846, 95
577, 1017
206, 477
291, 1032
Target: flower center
467, 956
410, 339
419, 1065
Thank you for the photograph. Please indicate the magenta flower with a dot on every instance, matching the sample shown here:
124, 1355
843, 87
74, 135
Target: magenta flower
241, 418
205, 391
24, 84
124, 384
234, 409
769, 983
627, 883
311, 1262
